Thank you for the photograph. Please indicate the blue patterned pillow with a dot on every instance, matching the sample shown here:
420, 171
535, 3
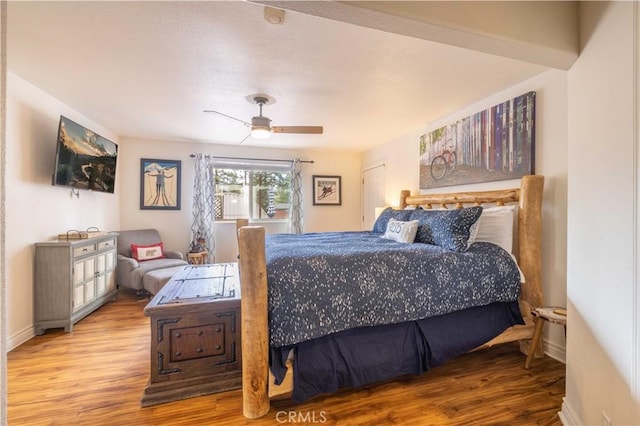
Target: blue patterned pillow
449, 229
381, 222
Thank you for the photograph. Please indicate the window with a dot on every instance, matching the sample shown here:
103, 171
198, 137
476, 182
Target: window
251, 192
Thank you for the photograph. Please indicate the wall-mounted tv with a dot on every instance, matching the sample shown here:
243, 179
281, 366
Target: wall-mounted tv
84, 159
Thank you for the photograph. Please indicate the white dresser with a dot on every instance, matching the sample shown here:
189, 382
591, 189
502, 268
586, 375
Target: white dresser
72, 279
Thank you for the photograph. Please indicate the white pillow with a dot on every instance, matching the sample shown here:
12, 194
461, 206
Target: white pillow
402, 232
496, 226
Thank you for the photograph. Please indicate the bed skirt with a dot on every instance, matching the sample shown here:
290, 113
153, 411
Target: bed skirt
365, 355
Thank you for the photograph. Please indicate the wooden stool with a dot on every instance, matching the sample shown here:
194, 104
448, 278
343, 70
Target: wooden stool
197, 258
541, 315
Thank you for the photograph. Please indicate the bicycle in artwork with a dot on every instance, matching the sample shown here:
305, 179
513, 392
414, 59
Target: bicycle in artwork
443, 164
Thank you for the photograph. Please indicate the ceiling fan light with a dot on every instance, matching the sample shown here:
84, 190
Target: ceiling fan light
260, 132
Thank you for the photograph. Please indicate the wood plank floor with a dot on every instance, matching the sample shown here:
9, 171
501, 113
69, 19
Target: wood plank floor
96, 376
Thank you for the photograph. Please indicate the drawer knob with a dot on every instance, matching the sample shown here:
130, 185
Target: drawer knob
200, 333
218, 347
199, 350
218, 330
178, 353
178, 335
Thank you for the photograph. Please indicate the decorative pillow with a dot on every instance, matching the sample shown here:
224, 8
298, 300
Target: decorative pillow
496, 226
449, 229
380, 225
402, 232
473, 232
147, 252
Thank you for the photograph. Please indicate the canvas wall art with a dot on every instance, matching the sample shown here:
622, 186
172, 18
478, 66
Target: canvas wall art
495, 144
159, 184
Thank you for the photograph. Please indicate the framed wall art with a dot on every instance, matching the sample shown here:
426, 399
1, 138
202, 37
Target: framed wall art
495, 144
327, 190
159, 184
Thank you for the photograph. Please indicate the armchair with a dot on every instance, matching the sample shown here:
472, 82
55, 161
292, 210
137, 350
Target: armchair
129, 271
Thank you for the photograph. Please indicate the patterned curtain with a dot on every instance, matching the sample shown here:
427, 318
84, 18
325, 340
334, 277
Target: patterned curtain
203, 207
295, 221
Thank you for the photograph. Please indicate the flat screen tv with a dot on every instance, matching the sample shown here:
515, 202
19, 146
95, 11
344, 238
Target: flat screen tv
84, 159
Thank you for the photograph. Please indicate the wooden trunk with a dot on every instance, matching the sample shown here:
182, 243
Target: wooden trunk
195, 334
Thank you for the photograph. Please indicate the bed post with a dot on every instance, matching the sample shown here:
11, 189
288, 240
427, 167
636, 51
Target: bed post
530, 243
403, 198
240, 223
254, 326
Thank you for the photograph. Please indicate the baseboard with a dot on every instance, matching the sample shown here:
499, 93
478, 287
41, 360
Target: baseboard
555, 351
19, 338
567, 415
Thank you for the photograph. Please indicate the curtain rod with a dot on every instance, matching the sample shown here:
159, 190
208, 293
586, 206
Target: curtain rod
254, 159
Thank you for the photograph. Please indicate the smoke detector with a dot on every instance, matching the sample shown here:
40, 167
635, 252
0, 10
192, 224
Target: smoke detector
274, 16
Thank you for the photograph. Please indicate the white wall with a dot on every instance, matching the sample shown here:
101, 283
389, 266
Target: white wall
175, 226
3, 227
402, 166
37, 211
602, 288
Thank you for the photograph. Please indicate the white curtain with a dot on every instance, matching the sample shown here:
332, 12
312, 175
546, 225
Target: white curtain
204, 204
295, 221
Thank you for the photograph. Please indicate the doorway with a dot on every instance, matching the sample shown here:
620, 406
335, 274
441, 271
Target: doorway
373, 193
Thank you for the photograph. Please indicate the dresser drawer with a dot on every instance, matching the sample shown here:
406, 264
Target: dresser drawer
103, 245
82, 250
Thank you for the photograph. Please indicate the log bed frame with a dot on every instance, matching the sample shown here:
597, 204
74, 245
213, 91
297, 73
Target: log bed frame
258, 383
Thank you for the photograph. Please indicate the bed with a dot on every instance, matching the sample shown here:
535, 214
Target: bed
272, 325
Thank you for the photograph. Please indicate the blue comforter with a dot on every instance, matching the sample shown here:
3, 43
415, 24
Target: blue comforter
322, 283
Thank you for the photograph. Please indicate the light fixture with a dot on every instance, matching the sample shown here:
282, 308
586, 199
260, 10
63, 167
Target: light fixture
260, 131
261, 125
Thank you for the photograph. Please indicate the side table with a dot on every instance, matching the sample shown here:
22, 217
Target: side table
195, 346
554, 315
198, 258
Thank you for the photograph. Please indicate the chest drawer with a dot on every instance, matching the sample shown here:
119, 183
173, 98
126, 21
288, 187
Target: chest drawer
82, 250
103, 245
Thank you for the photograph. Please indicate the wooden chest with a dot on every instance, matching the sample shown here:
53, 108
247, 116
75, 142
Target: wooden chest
195, 334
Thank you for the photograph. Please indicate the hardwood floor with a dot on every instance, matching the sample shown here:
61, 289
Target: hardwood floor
96, 376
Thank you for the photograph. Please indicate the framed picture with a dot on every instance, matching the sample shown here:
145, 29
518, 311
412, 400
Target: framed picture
497, 143
327, 191
159, 184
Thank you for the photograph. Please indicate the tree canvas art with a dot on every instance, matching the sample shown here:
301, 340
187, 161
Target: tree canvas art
494, 144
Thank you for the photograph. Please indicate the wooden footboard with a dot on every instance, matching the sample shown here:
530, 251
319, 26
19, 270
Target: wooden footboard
257, 380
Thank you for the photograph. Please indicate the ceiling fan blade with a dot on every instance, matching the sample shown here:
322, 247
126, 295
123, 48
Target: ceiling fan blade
317, 130
228, 116
245, 138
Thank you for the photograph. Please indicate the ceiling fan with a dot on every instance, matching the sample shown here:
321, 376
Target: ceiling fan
260, 125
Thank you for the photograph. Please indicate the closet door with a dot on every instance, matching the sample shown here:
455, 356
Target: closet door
373, 193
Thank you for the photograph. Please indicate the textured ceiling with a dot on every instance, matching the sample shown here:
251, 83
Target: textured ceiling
149, 69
